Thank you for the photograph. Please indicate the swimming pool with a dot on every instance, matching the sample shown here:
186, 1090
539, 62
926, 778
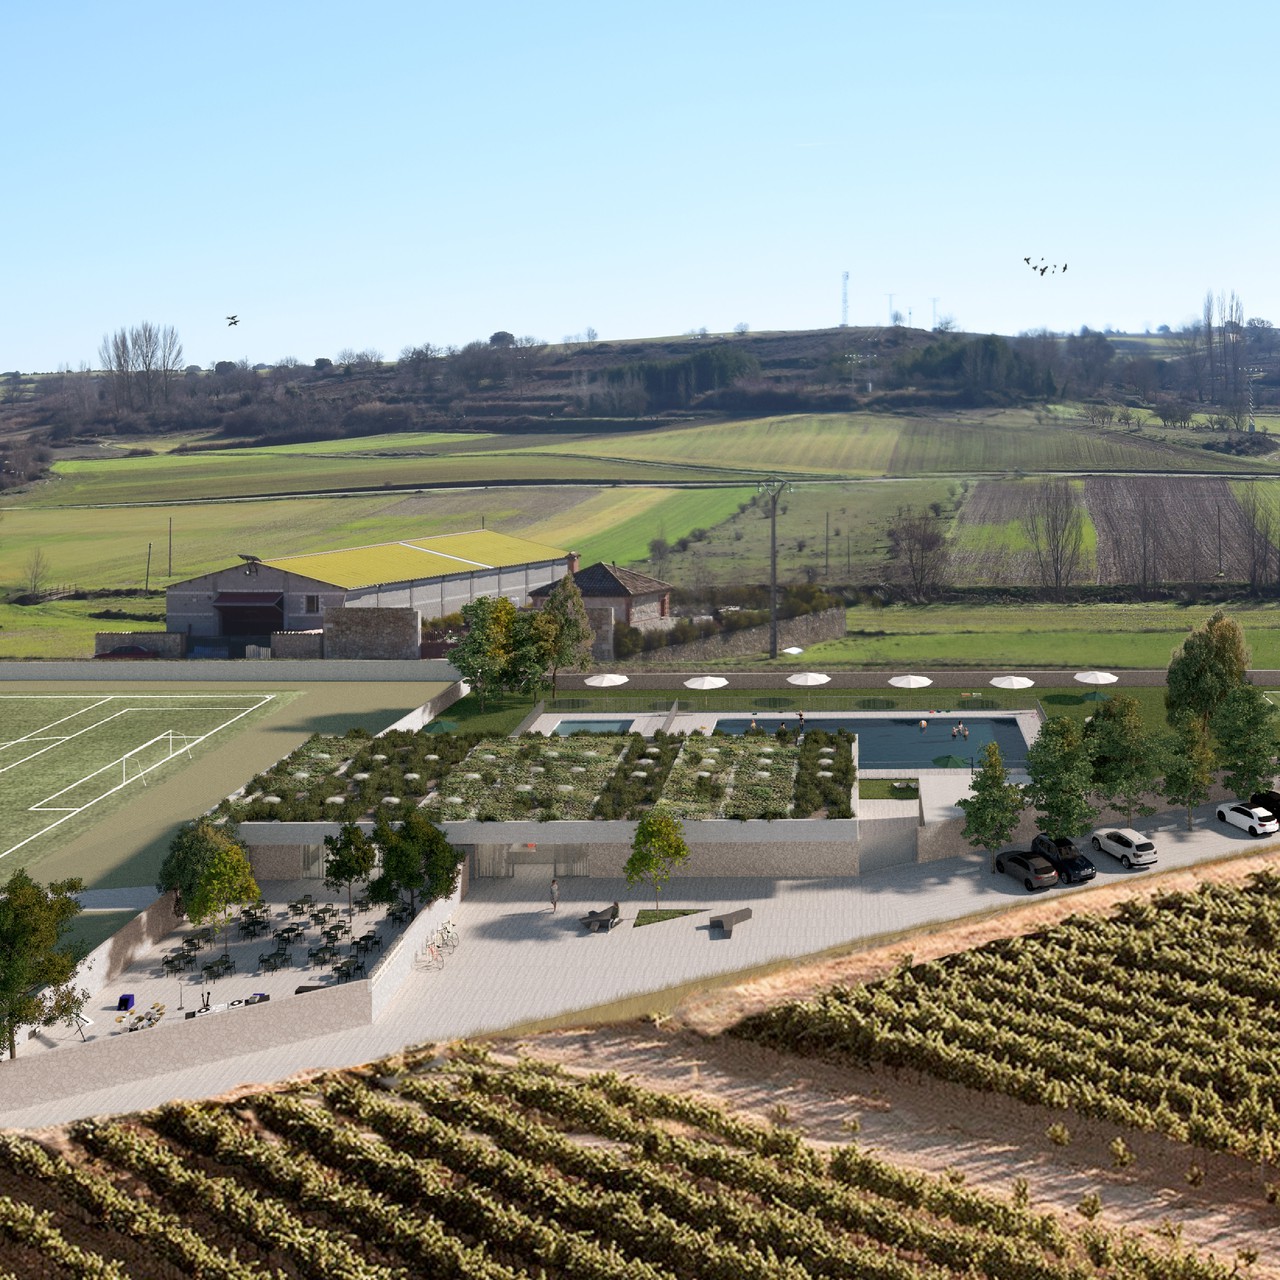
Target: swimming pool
898, 742
598, 725
887, 741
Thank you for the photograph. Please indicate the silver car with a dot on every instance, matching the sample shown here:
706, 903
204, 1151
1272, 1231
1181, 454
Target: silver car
1130, 846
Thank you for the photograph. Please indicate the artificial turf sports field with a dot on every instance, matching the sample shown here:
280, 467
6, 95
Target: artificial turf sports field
95, 778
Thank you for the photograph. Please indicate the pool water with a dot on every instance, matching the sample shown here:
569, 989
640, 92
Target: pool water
886, 742
566, 727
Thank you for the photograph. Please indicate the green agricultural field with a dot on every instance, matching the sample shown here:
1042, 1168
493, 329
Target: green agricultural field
68, 758
1115, 636
871, 445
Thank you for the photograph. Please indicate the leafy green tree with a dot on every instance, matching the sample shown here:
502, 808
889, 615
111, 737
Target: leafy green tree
1245, 728
352, 856
483, 655
401, 868
570, 638
1125, 755
657, 849
225, 883
530, 653
1204, 669
189, 853
1061, 777
1189, 766
992, 811
416, 858
37, 967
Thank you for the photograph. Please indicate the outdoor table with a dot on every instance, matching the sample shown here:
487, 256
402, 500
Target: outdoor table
372, 939
362, 904
192, 944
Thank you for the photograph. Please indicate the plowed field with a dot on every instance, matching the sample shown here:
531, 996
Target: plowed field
1155, 529
989, 545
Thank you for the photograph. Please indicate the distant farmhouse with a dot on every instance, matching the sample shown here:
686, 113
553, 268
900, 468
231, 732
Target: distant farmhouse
615, 597
360, 602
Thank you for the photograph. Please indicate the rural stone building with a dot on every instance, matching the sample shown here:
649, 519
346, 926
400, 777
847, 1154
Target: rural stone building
617, 597
313, 594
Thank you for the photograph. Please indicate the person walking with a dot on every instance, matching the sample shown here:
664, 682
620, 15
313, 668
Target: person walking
555, 893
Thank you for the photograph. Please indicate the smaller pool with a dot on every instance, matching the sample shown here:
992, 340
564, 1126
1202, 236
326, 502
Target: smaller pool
566, 727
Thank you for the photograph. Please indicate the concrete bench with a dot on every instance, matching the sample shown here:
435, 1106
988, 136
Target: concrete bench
597, 920
727, 919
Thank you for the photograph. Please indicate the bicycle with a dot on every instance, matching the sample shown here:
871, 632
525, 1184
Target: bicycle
448, 936
430, 957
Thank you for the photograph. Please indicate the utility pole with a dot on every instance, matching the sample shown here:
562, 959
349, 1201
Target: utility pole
827, 554
147, 584
773, 488
171, 546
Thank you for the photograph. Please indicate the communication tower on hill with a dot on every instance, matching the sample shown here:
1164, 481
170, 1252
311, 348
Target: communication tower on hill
844, 300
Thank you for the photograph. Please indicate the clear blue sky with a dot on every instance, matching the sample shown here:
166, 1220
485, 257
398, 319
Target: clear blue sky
390, 173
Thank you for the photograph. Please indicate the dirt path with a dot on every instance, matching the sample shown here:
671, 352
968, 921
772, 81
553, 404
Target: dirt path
933, 1126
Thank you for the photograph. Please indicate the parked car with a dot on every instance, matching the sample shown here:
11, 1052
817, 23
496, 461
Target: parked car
128, 651
1130, 846
1257, 822
1268, 800
1030, 868
1063, 856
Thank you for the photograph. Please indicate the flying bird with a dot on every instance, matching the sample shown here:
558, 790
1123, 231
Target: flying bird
1043, 270
1064, 268
232, 320
1027, 261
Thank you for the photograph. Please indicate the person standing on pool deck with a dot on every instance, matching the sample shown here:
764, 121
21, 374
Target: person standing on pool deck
555, 893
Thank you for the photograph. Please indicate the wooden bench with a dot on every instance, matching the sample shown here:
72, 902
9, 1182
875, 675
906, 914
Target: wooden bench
727, 919
597, 920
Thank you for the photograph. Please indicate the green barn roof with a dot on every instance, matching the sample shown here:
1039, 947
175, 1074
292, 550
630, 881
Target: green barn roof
416, 558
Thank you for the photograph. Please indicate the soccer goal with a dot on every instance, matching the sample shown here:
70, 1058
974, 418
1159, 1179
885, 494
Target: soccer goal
136, 764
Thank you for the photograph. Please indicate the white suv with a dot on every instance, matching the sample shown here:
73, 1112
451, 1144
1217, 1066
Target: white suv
1130, 846
1257, 822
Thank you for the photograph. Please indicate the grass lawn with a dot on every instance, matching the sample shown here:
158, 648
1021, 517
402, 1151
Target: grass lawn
648, 915
888, 789
1109, 636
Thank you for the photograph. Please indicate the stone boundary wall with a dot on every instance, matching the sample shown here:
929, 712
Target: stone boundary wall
305, 646
751, 642
166, 644
387, 634
234, 671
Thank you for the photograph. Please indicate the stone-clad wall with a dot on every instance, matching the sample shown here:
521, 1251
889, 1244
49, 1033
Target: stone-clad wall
307, 645
164, 644
809, 629
372, 633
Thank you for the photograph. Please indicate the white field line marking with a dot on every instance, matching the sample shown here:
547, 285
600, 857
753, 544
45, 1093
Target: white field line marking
97, 724
44, 728
44, 806
262, 702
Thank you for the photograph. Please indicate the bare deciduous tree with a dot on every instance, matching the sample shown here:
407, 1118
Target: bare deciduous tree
35, 573
1054, 525
919, 544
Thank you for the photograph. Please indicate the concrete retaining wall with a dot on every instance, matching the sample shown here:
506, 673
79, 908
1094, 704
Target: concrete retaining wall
786, 849
244, 671
177, 1043
424, 714
391, 972
100, 968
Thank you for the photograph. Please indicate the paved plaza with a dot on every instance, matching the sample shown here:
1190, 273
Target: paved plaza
520, 963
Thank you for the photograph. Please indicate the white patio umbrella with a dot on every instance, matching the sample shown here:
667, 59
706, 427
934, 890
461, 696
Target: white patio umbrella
606, 680
706, 682
793, 649
1012, 682
910, 682
808, 677
1095, 677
